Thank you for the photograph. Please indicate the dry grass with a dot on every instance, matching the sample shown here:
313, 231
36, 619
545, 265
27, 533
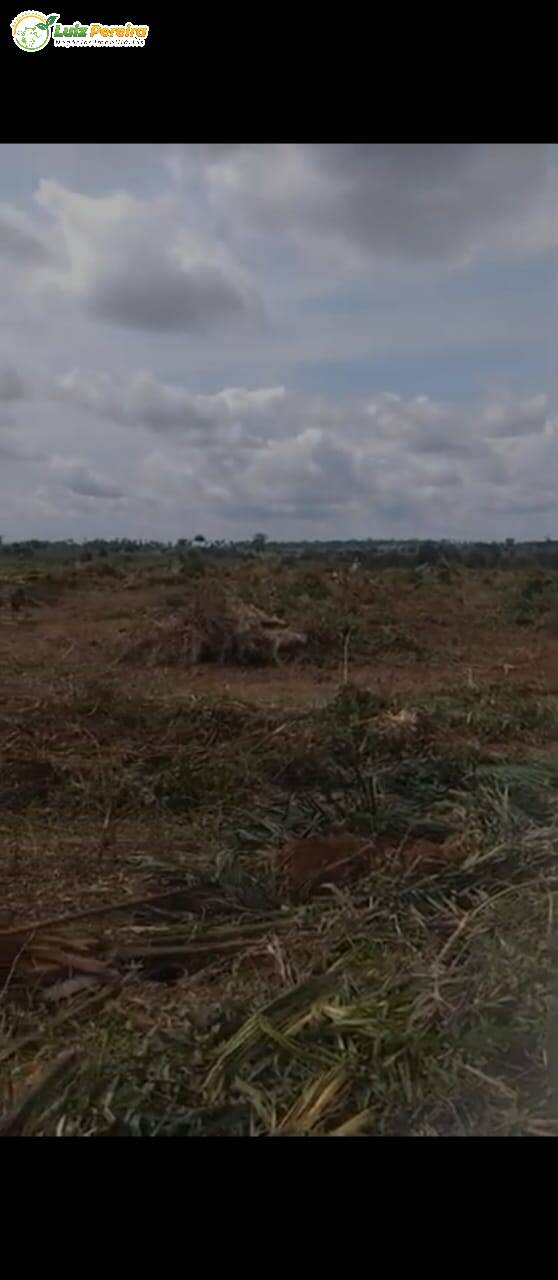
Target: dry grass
312, 900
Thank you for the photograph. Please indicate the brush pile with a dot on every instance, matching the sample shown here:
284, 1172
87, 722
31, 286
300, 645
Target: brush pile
217, 626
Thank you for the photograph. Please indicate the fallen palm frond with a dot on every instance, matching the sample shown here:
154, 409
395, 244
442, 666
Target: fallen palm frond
35, 1100
38, 957
343, 915
317, 1101
398, 1026
86, 1004
287, 1013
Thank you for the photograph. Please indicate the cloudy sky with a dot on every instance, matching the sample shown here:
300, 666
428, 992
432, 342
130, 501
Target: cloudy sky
334, 340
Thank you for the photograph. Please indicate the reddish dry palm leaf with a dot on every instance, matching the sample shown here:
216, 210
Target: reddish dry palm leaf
314, 860
311, 861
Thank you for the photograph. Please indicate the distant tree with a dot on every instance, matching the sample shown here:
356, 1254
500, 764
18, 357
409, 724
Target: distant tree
259, 541
199, 538
476, 558
429, 553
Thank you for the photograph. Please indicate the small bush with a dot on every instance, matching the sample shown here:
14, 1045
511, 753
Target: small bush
108, 570
192, 565
533, 600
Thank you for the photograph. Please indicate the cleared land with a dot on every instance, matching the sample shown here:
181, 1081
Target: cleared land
308, 898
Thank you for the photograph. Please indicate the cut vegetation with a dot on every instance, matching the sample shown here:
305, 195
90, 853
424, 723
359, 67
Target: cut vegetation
278, 853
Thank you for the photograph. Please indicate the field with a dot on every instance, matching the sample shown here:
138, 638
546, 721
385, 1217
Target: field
314, 897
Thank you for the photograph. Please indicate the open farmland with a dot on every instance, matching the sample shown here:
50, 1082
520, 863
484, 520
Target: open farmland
309, 896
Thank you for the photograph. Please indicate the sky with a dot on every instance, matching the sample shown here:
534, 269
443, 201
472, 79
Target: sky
313, 340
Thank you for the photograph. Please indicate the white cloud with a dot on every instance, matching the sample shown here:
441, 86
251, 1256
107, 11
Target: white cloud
520, 419
163, 309
242, 454
142, 400
77, 476
20, 240
12, 385
135, 263
414, 201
